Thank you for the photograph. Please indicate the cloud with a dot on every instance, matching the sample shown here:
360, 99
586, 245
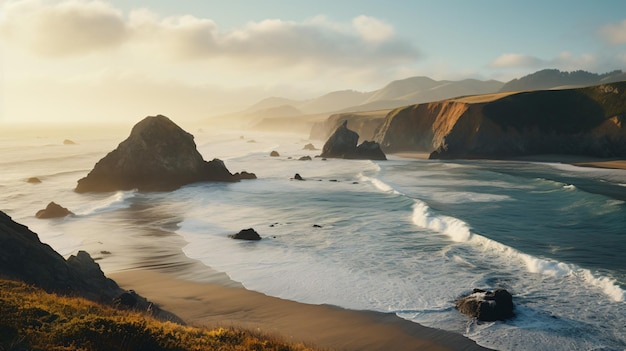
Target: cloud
76, 27
372, 29
67, 28
614, 33
515, 60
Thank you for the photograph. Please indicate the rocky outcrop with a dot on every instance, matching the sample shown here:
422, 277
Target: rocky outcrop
365, 124
53, 210
246, 234
157, 156
274, 153
309, 146
584, 121
25, 258
343, 144
487, 305
33, 180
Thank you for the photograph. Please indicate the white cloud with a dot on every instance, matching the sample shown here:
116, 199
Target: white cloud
515, 60
372, 29
614, 33
75, 27
67, 28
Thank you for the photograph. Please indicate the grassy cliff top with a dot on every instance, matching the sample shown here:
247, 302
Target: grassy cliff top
35, 320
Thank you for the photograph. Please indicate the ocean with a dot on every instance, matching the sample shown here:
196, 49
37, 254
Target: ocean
405, 236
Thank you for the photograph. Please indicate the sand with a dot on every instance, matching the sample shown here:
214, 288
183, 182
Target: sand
580, 161
328, 327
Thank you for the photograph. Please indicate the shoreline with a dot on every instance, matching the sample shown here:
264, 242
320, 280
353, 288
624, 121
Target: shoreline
213, 304
579, 161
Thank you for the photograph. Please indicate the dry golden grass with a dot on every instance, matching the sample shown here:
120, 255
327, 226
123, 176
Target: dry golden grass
35, 320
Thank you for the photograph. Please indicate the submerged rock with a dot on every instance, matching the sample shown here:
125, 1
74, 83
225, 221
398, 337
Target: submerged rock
343, 144
487, 305
305, 158
157, 156
309, 146
68, 142
53, 210
33, 180
246, 234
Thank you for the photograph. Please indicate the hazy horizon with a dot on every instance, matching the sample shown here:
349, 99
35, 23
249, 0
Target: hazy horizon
90, 62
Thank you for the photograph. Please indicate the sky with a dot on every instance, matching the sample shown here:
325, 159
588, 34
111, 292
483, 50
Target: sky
85, 61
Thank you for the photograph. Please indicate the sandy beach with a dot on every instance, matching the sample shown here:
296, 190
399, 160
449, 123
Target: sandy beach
580, 161
212, 304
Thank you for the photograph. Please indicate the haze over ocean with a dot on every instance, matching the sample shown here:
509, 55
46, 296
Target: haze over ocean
406, 236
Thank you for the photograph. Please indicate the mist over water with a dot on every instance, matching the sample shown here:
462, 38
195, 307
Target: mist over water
401, 236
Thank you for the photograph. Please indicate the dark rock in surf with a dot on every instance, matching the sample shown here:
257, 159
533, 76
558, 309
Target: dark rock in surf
487, 305
53, 210
305, 158
68, 142
244, 175
370, 150
274, 153
343, 144
157, 156
298, 177
33, 180
246, 234
309, 146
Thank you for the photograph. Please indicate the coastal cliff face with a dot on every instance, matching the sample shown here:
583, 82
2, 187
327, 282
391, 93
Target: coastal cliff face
584, 121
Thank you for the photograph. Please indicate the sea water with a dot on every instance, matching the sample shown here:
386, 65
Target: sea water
402, 236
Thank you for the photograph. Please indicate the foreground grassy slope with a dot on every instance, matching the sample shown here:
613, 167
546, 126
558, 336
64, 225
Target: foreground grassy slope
32, 319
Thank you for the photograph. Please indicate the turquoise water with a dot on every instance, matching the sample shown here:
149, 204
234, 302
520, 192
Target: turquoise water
403, 236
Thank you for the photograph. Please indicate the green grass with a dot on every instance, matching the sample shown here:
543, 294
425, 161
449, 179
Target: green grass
32, 319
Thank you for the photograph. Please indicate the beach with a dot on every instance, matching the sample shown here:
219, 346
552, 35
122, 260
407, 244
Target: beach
222, 303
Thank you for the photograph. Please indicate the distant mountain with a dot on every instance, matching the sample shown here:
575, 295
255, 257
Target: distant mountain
334, 101
555, 79
397, 93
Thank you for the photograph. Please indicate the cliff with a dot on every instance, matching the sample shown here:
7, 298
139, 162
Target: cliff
583, 121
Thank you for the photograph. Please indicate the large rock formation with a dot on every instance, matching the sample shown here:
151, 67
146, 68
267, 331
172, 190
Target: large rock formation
365, 124
157, 156
487, 305
585, 121
343, 144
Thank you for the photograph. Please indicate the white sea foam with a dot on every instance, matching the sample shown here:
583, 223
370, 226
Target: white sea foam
116, 201
460, 231
455, 228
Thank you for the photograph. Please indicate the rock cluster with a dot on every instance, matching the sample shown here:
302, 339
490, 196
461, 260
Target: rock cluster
157, 156
487, 305
343, 144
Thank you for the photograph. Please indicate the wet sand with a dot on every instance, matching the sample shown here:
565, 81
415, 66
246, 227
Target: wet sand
580, 161
222, 303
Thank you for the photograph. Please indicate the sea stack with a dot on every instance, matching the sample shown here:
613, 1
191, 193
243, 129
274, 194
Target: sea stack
343, 144
157, 156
